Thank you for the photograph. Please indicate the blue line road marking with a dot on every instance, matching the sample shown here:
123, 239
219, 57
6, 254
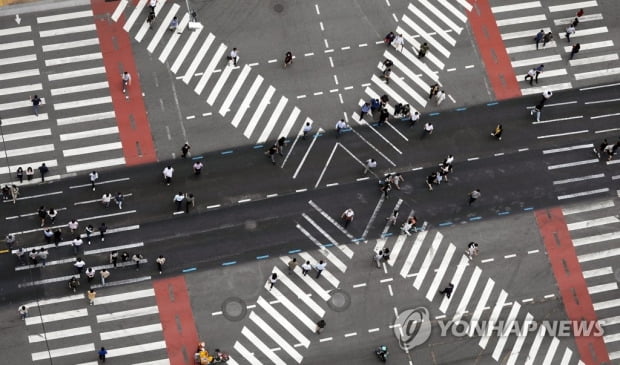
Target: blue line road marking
229, 263
190, 269
226, 152
262, 257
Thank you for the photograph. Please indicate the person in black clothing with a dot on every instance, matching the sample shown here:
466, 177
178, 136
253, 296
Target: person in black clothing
447, 291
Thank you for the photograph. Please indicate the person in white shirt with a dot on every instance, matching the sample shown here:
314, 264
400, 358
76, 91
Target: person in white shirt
347, 217
178, 200
428, 128
340, 125
273, 279
94, 176
197, 167
319, 268
234, 56
106, 199
90, 274
168, 171
79, 265
305, 268
77, 244
161, 260
126, 77
399, 42
73, 225
306, 130
370, 164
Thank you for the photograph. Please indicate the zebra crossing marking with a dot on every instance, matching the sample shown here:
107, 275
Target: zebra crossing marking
206, 75
198, 57
275, 337
531, 356
65, 351
55, 335
245, 104
516, 349
303, 340
163, 28
172, 41
503, 338
428, 261
497, 309
443, 267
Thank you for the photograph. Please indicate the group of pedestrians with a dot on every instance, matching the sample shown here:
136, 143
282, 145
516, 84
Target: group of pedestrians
436, 177
276, 149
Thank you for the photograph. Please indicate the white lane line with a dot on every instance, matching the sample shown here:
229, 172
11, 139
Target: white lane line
54, 317
588, 207
55, 335
92, 149
597, 272
521, 20
566, 149
513, 7
303, 340
185, 50
438, 29
592, 223
607, 304
461, 309
219, 85
428, 259
79, 88
131, 313
128, 332
551, 351
64, 351
558, 119
597, 73
602, 288
225, 108
163, 28
70, 45
583, 193
345, 249
76, 73
563, 134
572, 6
73, 59
516, 349
260, 345
576, 179
497, 309
536, 61
67, 30
592, 60
596, 238
501, 342
439, 14
123, 297
415, 248
202, 51
598, 255
573, 164
258, 112
16, 45
245, 104
210, 69
482, 302
443, 268
174, 38
275, 336
137, 349
83, 103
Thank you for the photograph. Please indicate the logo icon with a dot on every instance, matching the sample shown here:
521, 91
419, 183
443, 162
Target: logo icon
412, 328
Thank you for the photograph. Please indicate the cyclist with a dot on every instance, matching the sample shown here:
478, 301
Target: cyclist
126, 77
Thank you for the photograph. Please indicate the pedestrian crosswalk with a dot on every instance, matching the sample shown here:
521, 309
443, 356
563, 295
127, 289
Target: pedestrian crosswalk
520, 21
58, 58
70, 331
595, 232
427, 260
199, 60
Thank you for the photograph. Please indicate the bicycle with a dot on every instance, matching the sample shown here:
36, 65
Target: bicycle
126, 78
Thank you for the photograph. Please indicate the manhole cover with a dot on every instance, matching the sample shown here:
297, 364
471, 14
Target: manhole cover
234, 309
278, 8
340, 300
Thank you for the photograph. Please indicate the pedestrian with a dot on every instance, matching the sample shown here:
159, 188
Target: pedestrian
23, 312
377, 258
547, 38
43, 170
273, 279
74, 283
422, 51
20, 174
271, 153
42, 255
375, 104
106, 198
21, 256
371, 163
575, 22
197, 167
472, 250
89, 230
539, 37
288, 58
34, 258
42, 214
570, 30
174, 24
94, 176
57, 236
434, 91
347, 216
102, 230
414, 118
48, 235
392, 218
105, 274
430, 180
136, 258
409, 226
386, 74
152, 5
399, 42
538, 71
389, 38
79, 265
114, 258
90, 274
73, 225
428, 129
364, 110
190, 201
185, 150
167, 172
124, 257
447, 291
91, 298
150, 19
580, 13
305, 268
35, 104
29, 173
386, 254
319, 268
52, 213
178, 200
320, 325
102, 354
497, 132
448, 160
387, 63
340, 126
118, 199
160, 261
474, 195
292, 264
440, 97
611, 150
307, 128
574, 50
530, 75
546, 95
281, 143
386, 188
14, 193
233, 56
77, 244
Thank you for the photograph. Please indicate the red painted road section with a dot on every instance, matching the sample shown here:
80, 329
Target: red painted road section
177, 319
572, 285
131, 116
493, 51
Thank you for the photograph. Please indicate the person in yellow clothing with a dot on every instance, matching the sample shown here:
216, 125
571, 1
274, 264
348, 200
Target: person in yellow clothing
91, 296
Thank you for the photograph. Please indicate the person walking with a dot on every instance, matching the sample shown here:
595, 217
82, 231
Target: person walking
152, 5
271, 153
385, 189
137, 258
94, 176
440, 97
305, 268
570, 30
447, 291
580, 13
320, 325
90, 274
48, 235
160, 261
29, 173
377, 258
497, 132
42, 214
91, 296
319, 268
399, 42
102, 352
273, 279
73, 225
185, 150
281, 143
23, 312
36, 101
20, 174
575, 22
21, 256
422, 51
389, 38
105, 274
42, 255
428, 129
414, 118
190, 201
89, 230
77, 244
118, 199
43, 170
386, 74
574, 50
530, 75
472, 250
538, 71
307, 128
114, 258
167, 172
79, 265
102, 230
434, 91
233, 56
547, 38
474, 195
292, 264
150, 19
364, 110
197, 167
34, 258
386, 254
347, 217
174, 24
371, 164
106, 198
539, 37
340, 126
57, 236
178, 200
393, 217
